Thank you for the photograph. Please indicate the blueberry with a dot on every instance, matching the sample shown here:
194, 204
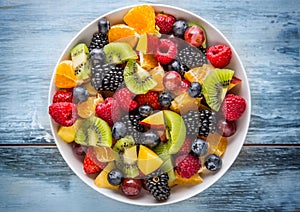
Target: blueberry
97, 56
213, 162
165, 99
145, 110
149, 139
179, 28
118, 130
199, 147
177, 66
80, 94
195, 89
115, 177
103, 25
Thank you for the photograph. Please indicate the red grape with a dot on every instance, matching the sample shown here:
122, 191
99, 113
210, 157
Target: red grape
131, 186
226, 128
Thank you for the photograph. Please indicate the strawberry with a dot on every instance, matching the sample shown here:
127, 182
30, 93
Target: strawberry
150, 98
124, 97
187, 165
166, 51
63, 96
63, 113
219, 55
108, 111
233, 107
90, 164
164, 22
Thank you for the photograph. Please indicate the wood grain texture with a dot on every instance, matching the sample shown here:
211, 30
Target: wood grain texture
264, 33
258, 180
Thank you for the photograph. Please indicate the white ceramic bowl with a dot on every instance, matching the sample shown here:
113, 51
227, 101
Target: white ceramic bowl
179, 193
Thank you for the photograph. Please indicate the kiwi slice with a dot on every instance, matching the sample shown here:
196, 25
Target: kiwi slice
123, 143
118, 52
137, 79
80, 58
129, 170
215, 86
176, 130
94, 131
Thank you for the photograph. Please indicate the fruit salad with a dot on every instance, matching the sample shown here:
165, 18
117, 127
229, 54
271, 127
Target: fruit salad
147, 104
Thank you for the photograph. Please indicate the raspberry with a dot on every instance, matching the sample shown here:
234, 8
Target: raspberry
108, 111
124, 98
150, 98
186, 147
90, 164
64, 113
63, 96
166, 51
187, 165
164, 22
219, 55
233, 107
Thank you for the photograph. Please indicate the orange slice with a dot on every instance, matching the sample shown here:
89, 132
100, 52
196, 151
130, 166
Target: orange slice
65, 75
217, 144
198, 74
147, 61
141, 18
193, 180
87, 108
122, 32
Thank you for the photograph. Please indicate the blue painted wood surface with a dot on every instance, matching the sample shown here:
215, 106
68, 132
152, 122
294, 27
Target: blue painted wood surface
266, 175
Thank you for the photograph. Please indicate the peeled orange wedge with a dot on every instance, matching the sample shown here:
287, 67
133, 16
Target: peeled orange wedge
141, 18
122, 33
65, 75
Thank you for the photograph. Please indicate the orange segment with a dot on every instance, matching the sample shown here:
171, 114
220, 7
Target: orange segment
198, 74
65, 75
121, 32
141, 18
147, 61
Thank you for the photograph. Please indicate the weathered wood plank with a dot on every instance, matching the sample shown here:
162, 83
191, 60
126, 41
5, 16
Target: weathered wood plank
265, 34
261, 179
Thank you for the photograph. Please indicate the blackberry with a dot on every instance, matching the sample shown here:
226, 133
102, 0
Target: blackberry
131, 129
157, 185
135, 120
202, 49
192, 57
98, 41
107, 77
201, 122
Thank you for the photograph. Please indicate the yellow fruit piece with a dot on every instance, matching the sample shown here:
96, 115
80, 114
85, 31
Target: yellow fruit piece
158, 74
148, 61
141, 18
101, 180
217, 144
130, 155
198, 74
148, 161
184, 103
193, 180
104, 154
67, 134
65, 75
90, 89
122, 32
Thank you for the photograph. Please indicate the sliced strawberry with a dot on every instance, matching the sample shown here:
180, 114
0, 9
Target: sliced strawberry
108, 111
164, 22
63, 96
150, 98
90, 164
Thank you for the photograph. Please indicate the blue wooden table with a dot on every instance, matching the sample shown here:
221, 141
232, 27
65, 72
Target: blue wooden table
266, 175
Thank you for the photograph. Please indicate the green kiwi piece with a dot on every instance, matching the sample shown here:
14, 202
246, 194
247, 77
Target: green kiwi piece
80, 58
123, 143
177, 131
137, 79
215, 86
94, 131
129, 170
118, 52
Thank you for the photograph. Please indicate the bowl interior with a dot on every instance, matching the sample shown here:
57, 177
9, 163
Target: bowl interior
235, 143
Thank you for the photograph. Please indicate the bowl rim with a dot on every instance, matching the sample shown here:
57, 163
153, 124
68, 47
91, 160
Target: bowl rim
247, 118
